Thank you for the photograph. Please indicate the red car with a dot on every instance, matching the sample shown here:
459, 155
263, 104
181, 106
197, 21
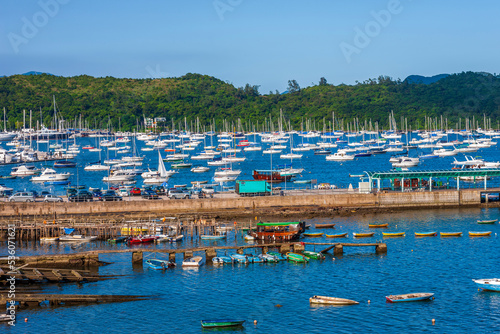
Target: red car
135, 192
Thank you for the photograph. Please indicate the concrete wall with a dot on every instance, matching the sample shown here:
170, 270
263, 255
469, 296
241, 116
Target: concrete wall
248, 204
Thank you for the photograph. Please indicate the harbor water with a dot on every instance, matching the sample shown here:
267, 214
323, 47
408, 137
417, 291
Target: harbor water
277, 295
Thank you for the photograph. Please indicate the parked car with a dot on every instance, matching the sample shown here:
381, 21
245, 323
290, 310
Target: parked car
110, 195
160, 190
22, 197
44, 193
123, 192
149, 194
175, 193
52, 198
81, 196
208, 190
135, 191
97, 193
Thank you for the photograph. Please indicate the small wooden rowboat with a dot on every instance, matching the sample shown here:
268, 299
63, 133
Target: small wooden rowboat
363, 235
378, 225
393, 234
323, 300
221, 323
313, 255
339, 235
313, 235
297, 258
479, 234
491, 221
324, 225
425, 234
410, 297
451, 234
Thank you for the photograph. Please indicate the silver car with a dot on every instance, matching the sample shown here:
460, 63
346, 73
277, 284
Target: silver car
22, 197
52, 198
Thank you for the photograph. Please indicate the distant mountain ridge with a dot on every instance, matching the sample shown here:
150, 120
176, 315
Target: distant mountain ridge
36, 73
420, 79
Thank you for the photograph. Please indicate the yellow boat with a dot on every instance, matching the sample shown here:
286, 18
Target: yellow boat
340, 235
393, 234
480, 234
378, 225
363, 235
313, 234
451, 234
426, 234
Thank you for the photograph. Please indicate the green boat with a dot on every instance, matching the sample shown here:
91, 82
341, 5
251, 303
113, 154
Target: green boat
313, 255
297, 258
221, 323
491, 221
278, 255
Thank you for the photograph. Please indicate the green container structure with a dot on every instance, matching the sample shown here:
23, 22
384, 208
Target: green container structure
253, 188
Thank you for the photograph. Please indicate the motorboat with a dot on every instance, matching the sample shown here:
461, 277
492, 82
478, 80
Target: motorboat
48, 174
200, 169
488, 284
409, 297
24, 170
194, 261
76, 238
119, 176
339, 156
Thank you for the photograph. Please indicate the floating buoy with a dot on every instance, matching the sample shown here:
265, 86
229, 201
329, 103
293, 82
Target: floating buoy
25, 319
368, 301
278, 305
433, 321
333, 259
255, 322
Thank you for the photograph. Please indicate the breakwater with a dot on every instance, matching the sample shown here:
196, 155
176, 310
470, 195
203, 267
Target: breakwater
314, 203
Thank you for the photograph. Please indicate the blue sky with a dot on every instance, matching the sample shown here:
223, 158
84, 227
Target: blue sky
259, 42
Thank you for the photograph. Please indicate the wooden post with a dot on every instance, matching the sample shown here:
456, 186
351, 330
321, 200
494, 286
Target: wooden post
210, 253
171, 257
188, 254
338, 250
381, 248
284, 248
298, 247
265, 249
136, 257
240, 251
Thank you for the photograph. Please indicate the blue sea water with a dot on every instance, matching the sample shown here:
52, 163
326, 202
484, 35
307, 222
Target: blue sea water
183, 297
316, 167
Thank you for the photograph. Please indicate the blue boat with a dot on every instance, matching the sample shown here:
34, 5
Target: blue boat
220, 236
269, 258
56, 183
255, 259
239, 258
410, 297
158, 264
488, 284
222, 260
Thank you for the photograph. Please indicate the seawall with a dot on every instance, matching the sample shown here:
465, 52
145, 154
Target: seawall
244, 206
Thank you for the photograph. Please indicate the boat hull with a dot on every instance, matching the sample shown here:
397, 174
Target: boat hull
425, 234
221, 323
340, 235
410, 297
488, 284
480, 234
363, 235
323, 300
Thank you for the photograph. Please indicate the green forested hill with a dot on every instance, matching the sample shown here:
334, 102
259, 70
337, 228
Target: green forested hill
127, 101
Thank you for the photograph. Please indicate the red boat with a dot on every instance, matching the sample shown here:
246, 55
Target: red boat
243, 143
141, 240
270, 175
88, 147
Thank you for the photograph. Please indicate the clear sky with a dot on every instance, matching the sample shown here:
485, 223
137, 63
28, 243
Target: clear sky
259, 42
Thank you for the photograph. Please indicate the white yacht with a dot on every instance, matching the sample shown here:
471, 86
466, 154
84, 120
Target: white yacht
48, 174
24, 170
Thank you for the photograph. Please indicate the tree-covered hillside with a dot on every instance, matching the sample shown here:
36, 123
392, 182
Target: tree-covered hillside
124, 102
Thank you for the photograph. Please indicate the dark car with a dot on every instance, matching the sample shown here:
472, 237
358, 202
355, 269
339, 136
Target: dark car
110, 195
149, 194
159, 190
135, 191
81, 196
97, 193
